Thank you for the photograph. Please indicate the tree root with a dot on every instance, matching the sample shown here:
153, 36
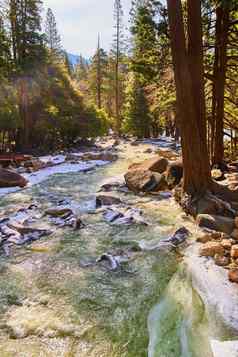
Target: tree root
216, 201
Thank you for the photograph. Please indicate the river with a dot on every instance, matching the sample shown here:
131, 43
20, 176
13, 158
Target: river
51, 305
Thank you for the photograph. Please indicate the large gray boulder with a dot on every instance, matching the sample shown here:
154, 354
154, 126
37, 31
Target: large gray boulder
11, 179
174, 173
145, 181
155, 164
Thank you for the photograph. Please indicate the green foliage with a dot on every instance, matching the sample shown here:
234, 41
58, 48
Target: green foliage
4, 50
27, 39
145, 45
64, 117
9, 114
137, 117
97, 76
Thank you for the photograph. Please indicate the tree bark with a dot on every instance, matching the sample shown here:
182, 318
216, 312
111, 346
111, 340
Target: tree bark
190, 95
118, 122
220, 67
99, 76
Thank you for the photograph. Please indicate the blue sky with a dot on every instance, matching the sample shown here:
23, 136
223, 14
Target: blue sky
79, 22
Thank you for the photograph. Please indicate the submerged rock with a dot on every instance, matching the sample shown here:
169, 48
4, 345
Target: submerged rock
18, 234
114, 186
111, 215
113, 261
178, 238
103, 200
175, 241
59, 212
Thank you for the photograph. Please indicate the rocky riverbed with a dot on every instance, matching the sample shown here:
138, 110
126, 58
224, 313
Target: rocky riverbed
114, 274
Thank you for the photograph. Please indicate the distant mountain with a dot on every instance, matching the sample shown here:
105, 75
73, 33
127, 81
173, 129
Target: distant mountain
73, 59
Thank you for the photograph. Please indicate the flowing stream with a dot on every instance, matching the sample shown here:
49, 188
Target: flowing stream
51, 305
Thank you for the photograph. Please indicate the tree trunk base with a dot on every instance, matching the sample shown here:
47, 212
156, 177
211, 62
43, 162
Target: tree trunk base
218, 200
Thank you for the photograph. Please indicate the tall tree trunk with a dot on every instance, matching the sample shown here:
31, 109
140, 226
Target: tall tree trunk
190, 95
117, 89
220, 67
99, 76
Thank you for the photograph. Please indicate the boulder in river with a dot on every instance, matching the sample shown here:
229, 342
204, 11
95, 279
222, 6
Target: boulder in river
11, 179
113, 261
174, 173
24, 230
175, 241
18, 234
145, 181
155, 164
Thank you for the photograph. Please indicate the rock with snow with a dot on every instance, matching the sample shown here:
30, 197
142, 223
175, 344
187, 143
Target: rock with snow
211, 283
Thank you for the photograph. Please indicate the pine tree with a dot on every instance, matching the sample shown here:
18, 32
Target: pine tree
28, 53
188, 68
81, 69
145, 50
26, 37
5, 57
53, 39
98, 73
67, 64
137, 117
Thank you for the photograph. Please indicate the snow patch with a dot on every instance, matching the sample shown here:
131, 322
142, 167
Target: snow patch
60, 168
224, 348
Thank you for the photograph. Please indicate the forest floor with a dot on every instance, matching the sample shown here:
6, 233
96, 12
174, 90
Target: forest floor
97, 282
